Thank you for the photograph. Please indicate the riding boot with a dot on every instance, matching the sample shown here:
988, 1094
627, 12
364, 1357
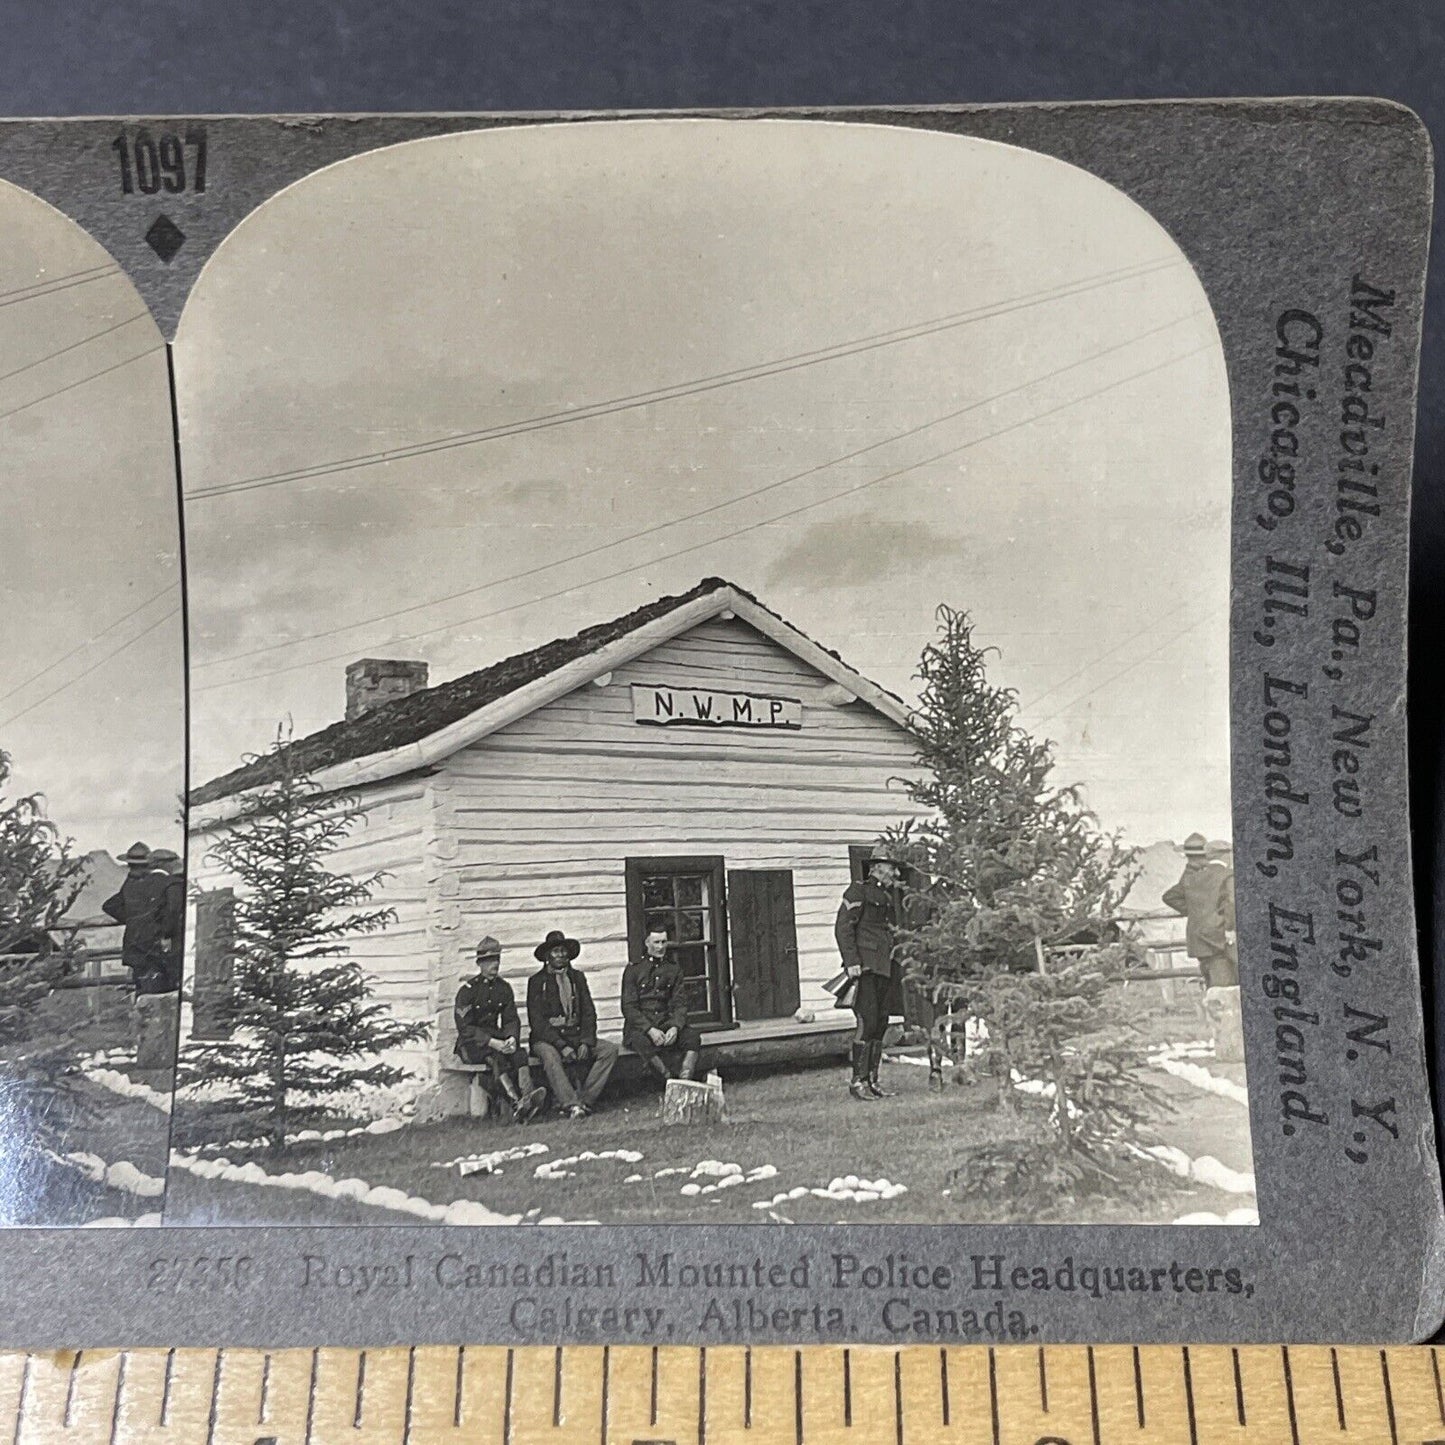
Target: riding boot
858, 1088
875, 1059
935, 1071
505, 1084
689, 1065
659, 1067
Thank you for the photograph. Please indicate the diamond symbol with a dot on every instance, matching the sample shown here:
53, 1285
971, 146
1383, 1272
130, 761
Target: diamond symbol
165, 238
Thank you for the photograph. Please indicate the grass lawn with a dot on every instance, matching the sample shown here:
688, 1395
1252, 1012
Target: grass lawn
801, 1121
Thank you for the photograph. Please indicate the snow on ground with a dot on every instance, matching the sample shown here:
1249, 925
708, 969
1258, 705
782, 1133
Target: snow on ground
124, 1085
123, 1176
562, 1168
1175, 1059
469, 1164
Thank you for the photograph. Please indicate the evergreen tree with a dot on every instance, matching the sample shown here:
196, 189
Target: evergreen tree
1013, 921
40, 877
305, 1028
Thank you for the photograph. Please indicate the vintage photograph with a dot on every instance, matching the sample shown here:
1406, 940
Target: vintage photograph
709, 692
92, 733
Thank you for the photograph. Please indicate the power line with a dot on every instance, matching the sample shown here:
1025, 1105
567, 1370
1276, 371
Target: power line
83, 381
94, 638
1114, 677
60, 283
755, 526
100, 662
776, 367
700, 512
74, 345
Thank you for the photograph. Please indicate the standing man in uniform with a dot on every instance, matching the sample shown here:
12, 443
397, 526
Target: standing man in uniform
1204, 894
140, 907
867, 918
173, 914
489, 1031
1226, 972
654, 1011
563, 1021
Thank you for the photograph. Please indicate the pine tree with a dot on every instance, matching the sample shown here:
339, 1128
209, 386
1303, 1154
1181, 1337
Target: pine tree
40, 877
1014, 922
306, 1031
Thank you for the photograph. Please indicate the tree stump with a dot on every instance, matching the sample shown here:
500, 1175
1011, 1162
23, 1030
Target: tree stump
686, 1101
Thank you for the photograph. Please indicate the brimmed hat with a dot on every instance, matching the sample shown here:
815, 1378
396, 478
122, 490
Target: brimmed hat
489, 947
137, 853
1195, 845
166, 856
551, 941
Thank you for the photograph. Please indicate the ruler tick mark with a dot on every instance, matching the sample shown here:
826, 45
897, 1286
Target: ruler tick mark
1093, 1397
119, 1386
457, 1388
20, 1404
1189, 1399
1289, 1394
1043, 1381
263, 1406
410, 1394
311, 1394
215, 1398
702, 1396
606, 1385
507, 1402
652, 1404
557, 1388
1339, 1391
747, 1389
165, 1416
993, 1395
1389, 1398
360, 1389
847, 1388
70, 1387
897, 1398
798, 1396
943, 1379
1238, 1388
1138, 1389
1439, 1393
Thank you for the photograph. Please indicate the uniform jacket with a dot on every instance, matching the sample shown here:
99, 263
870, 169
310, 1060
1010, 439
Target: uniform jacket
544, 1004
654, 995
1204, 894
486, 1009
147, 906
867, 918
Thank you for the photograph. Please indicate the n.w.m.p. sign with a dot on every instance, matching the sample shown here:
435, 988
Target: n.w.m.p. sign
701, 707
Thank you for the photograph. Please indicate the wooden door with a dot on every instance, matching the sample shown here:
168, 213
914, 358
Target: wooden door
764, 939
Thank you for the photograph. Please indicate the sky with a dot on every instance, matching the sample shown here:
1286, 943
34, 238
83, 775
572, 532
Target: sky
896, 369
91, 705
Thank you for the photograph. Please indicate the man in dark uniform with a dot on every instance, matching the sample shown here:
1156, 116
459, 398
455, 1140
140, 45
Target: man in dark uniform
141, 906
489, 1031
867, 919
563, 1022
654, 1011
173, 914
1204, 894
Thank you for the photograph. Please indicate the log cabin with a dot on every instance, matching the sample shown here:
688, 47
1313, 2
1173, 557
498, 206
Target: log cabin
698, 762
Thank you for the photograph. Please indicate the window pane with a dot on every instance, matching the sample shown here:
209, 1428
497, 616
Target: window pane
689, 892
697, 995
657, 891
692, 957
663, 918
690, 927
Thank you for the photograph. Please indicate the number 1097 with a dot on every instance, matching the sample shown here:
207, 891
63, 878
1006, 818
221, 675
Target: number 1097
168, 162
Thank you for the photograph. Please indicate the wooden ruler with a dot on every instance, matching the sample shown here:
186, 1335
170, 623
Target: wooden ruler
865, 1395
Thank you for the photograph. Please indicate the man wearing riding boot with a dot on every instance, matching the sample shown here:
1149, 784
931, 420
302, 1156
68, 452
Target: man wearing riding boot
654, 1011
563, 1022
867, 920
489, 1031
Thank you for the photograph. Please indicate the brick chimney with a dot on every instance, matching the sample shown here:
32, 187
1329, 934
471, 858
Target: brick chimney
374, 681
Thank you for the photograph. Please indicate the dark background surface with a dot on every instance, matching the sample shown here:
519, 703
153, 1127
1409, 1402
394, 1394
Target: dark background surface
307, 55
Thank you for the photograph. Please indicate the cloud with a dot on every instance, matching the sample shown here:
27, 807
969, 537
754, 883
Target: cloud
860, 549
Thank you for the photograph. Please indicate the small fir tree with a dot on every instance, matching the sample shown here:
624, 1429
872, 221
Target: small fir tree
1012, 919
40, 878
305, 1029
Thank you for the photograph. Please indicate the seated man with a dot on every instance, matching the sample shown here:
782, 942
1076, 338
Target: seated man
490, 1032
563, 1022
654, 1011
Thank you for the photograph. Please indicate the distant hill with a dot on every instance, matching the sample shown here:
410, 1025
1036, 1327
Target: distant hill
1161, 865
104, 878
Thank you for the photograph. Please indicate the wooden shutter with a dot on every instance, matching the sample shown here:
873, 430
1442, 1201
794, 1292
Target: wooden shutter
213, 983
764, 938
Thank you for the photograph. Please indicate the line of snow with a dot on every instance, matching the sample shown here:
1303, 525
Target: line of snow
562, 1168
127, 1087
1201, 1078
123, 1176
1204, 1170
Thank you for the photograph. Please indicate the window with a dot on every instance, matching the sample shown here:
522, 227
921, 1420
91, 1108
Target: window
684, 896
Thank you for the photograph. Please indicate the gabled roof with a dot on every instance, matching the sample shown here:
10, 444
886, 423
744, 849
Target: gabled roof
417, 730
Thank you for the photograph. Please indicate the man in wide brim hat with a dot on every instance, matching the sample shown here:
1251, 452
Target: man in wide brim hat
136, 856
563, 1024
556, 939
1204, 894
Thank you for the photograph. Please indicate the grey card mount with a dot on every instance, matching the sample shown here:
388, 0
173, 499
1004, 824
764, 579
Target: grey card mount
788, 727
